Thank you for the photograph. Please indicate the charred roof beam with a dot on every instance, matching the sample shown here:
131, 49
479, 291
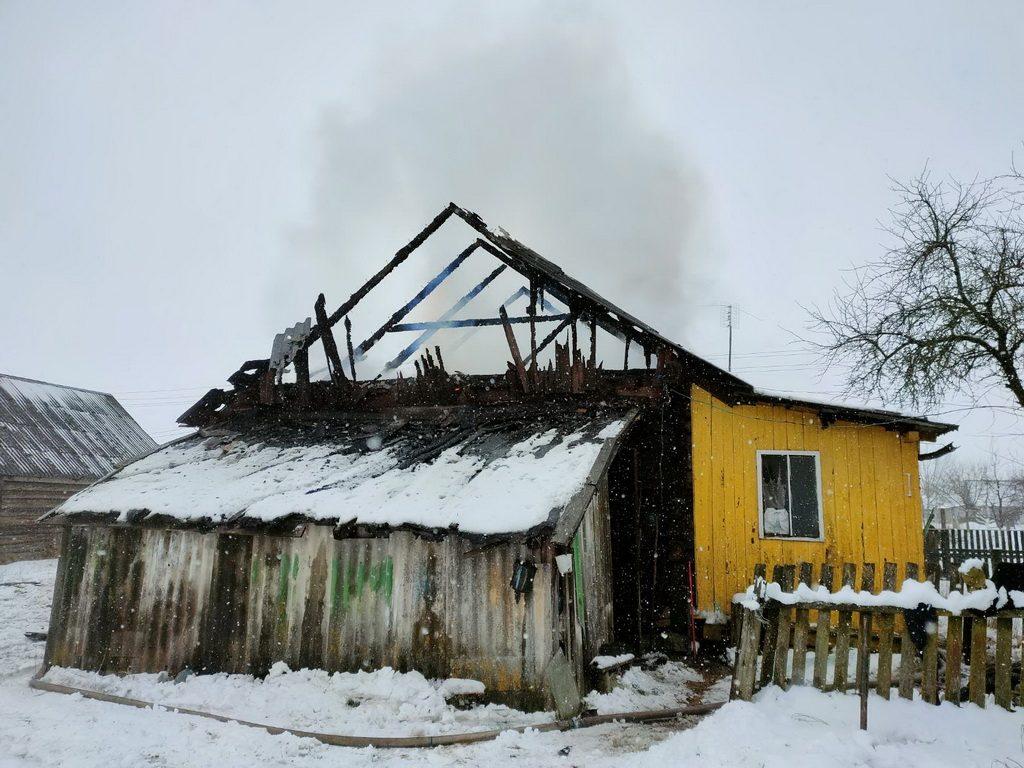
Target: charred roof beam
457, 307
409, 306
472, 322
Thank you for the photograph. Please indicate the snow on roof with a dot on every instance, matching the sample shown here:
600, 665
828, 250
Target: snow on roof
50, 430
484, 470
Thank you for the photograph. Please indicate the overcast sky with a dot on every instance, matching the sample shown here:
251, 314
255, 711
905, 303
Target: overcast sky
179, 180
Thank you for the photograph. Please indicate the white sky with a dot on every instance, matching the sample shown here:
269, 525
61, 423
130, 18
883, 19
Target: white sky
178, 181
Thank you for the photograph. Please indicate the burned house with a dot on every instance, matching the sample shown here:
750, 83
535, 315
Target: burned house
499, 526
54, 441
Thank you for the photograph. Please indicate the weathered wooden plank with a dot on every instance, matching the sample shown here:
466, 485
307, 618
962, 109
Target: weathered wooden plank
886, 623
822, 631
863, 665
842, 667
908, 663
867, 584
781, 676
801, 629
1004, 638
954, 657
327, 336
746, 660
513, 346
770, 633
930, 669
979, 660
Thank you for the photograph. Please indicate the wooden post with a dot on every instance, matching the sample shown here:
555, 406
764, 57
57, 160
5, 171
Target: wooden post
785, 623
863, 655
867, 584
908, 651
351, 354
930, 669
1004, 634
593, 342
327, 339
746, 656
771, 634
801, 629
843, 633
513, 345
954, 657
822, 632
301, 363
979, 661
533, 332
886, 624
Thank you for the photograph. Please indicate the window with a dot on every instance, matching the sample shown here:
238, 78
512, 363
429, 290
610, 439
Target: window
789, 494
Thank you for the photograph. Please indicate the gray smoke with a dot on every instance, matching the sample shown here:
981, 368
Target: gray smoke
540, 131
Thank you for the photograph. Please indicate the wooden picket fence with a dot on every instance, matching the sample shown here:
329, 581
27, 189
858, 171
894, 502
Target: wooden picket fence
945, 549
774, 642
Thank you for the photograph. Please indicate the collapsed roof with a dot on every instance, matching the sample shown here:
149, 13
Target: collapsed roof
543, 278
484, 471
53, 431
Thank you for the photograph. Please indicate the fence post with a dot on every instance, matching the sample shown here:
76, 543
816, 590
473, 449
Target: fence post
822, 631
746, 656
842, 669
863, 655
801, 629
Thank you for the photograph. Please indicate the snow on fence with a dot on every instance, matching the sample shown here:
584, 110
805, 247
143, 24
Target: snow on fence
947, 548
914, 637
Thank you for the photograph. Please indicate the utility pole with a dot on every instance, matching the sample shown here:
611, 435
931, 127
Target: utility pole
728, 323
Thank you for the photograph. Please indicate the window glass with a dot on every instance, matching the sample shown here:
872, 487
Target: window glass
789, 495
775, 494
803, 483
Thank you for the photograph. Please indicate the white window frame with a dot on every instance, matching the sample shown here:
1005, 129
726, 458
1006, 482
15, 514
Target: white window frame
760, 496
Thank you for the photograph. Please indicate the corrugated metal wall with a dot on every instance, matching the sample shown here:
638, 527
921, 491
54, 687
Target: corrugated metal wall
141, 599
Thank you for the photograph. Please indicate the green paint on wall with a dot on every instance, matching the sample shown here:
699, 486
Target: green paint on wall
332, 578
295, 565
351, 582
345, 589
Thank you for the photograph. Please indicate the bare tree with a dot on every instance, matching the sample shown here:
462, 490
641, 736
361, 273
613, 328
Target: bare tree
962, 485
975, 492
945, 307
1003, 502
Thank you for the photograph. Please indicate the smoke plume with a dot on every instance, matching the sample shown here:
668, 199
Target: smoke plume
540, 130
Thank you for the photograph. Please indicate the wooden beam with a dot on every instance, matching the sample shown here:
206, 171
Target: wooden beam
513, 346
301, 363
551, 336
330, 347
410, 305
948, 448
410, 350
348, 343
474, 322
401, 255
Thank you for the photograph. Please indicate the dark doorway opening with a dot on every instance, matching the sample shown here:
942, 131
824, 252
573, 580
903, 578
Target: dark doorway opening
651, 505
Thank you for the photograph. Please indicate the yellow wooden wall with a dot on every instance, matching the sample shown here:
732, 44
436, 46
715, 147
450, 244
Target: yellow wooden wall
868, 514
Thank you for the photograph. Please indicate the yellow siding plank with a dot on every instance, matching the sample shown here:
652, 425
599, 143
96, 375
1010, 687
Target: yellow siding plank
702, 469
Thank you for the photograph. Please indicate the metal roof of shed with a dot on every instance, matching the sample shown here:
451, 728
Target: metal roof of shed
55, 431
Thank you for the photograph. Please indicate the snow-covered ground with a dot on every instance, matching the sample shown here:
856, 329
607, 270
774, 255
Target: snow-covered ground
792, 729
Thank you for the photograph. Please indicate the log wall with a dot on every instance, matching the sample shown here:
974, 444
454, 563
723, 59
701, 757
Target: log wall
22, 501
